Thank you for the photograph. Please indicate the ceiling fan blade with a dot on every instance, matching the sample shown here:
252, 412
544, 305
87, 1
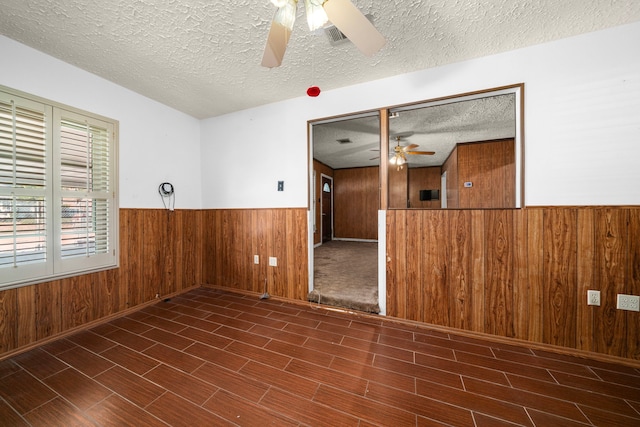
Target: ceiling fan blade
353, 24
426, 153
374, 158
410, 147
276, 45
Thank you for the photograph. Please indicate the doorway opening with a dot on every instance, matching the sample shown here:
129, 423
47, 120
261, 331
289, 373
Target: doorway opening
344, 253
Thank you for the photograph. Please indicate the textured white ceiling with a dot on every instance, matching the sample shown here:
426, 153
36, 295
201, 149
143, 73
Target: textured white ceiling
203, 56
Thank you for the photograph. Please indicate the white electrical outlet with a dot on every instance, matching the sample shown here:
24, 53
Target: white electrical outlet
256, 259
273, 261
593, 297
628, 302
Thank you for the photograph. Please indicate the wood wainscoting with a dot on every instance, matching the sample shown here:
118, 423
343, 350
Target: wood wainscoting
163, 253
519, 273
233, 236
160, 254
356, 202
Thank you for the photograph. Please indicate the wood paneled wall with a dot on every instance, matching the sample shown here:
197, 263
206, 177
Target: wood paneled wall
398, 187
519, 273
163, 253
425, 178
160, 253
355, 203
233, 236
490, 167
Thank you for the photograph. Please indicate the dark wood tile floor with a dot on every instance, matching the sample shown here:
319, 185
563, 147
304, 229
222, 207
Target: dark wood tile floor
210, 358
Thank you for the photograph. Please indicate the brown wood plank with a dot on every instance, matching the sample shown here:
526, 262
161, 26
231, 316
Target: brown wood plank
132, 255
254, 273
278, 250
611, 249
560, 278
460, 281
477, 278
535, 273
48, 309
632, 349
105, 293
8, 318
25, 313
207, 245
189, 269
153, 253
76, 293
398, 256
521, 296
585, 279
499, 273
245, 257
416, 261
265, 240
170, 224
297, 254
435, 258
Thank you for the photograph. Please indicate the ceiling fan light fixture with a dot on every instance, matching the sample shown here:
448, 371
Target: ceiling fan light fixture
286, 14
279, 3
316, 16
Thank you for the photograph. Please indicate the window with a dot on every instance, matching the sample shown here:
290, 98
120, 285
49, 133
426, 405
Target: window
58, 198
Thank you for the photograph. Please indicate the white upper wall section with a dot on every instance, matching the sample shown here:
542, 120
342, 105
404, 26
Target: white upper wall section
582, 126
156, 144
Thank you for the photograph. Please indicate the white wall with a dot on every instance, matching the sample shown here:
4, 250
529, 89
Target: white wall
156, 144
582, 124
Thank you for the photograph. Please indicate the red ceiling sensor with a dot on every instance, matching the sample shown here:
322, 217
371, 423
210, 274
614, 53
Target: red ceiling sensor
313, 91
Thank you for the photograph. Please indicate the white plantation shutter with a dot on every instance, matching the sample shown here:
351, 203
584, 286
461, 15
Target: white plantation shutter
85, 203
24, 160
58, 201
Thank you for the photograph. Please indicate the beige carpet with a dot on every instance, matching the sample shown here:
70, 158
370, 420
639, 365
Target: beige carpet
346, 275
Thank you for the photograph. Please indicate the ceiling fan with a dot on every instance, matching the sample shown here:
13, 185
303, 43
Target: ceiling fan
400, 153
342, 13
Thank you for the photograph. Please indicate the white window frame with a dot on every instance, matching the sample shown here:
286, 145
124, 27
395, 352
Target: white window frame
56, 265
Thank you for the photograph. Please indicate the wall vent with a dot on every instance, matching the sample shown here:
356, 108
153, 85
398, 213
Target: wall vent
336, 36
